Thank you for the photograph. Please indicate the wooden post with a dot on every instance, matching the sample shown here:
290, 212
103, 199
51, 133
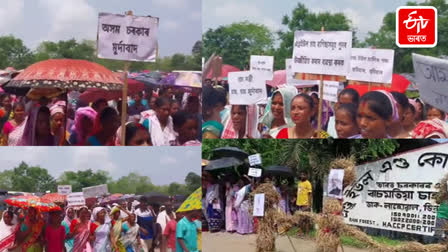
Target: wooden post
124, 100
321, 97
370, 86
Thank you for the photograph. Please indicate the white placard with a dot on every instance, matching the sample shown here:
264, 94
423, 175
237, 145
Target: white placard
371, 65
432, 80
263, 66
76, 199
95, 191
335, 180
331, 89
64, 189
255, 159
397, 193
290, 80
322, 52
254, 172
245, 88
259, 205
124, 37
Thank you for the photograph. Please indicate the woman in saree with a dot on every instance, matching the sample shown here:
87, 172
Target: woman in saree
100, 230
213, 103
8, 230
80, 231
277, 113
117, 222
30, 232
17, 120
240, 121
69, 217
130, 238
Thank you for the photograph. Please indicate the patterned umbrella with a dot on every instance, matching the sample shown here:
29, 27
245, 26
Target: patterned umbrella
54, 197
32, 201
188, 79
67, 74
193, 202
150, 79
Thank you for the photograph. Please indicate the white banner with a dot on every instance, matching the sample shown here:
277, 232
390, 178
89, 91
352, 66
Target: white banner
76, 199
371, 65
259, 205
263, 66
245, 88
331, 89
64, 189
255, 159
94, 191
432, 80
322, 52
124, 37
399, 191
254, 172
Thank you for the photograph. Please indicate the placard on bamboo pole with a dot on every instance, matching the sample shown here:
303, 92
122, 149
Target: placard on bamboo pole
124, 99
321, 96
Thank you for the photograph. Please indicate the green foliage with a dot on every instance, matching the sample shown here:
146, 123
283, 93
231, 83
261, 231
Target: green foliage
192, 182
385, 38
133, 183
236, 42
31, 179
81, 179
14, 53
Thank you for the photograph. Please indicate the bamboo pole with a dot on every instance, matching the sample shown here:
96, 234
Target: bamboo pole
321, 96
124, 100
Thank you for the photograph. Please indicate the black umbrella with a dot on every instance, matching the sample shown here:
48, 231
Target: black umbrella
230, 152
225, 162
278, 170
155, 197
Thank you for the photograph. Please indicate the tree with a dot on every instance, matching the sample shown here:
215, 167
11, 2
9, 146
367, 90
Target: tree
13, 53
81, 179
303, 19
236, 42
385, 38
197, 48
69, 49
6, 180
192, 182
32, 179
133, 183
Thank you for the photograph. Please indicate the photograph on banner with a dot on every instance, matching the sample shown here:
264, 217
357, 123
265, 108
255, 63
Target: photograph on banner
115, 74
149, 192
377, 80
367, 188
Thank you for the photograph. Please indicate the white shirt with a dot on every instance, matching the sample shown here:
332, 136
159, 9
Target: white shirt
162, 219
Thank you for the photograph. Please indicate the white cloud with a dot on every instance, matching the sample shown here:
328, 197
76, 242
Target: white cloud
170, 24
175, 4
70, 19
11, 12
168, 160
95, 158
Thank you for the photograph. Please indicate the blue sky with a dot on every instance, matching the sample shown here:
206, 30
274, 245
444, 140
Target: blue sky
39, 20
162, 164
366, 15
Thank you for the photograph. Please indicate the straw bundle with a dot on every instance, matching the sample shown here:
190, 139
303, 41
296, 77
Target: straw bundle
285, 222
348, 165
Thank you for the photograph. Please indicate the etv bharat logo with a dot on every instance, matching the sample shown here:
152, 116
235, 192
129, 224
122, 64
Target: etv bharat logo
416, 26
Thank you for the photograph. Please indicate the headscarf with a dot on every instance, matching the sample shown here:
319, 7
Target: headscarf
430, 129
287, 93
393, 103
66, 218
58, 107
327, 112
28, 129
96, 211
251, 123
413, 103
114, 210
86, 112
7, 233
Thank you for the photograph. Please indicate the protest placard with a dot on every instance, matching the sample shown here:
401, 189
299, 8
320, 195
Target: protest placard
432, 80
331, 89
76, 199
126, 37
94, 191
322, 52
292, 80
64, 189
255, 159
259, 205
245, 88
263, 66
371, 65
254, 172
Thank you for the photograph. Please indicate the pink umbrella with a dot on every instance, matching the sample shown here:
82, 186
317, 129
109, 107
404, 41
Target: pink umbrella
225, 70
279, 78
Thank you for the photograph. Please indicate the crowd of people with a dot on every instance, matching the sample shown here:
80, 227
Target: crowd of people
126, 227
227, 206
292, 112
162, 118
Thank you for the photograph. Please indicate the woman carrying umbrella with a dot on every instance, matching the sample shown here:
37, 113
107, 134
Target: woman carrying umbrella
100, 229
31, 230
8, 230
80, 231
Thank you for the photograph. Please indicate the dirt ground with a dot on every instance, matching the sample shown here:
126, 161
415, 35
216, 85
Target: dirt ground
225, 242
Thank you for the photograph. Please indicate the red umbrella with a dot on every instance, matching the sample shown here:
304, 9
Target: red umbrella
92, 95
279, 79
32, 201
399, 84
54, 197
67, 74
225, 70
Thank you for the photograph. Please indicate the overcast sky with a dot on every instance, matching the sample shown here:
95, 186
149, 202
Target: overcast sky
162, 164
54, 20
366, 15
